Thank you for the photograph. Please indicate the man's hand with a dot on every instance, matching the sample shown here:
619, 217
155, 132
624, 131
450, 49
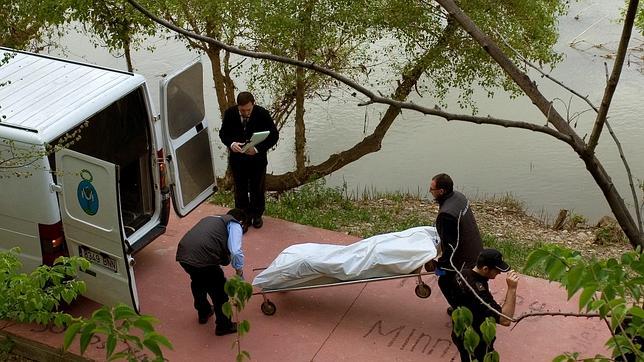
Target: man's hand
512, 279
236, 147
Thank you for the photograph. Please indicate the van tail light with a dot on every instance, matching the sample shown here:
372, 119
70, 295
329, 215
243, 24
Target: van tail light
52, 242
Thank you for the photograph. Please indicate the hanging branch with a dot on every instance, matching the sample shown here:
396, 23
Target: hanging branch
629, 20
372, 97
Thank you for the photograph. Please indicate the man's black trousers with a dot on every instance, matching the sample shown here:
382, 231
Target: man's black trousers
210, 281
249, 175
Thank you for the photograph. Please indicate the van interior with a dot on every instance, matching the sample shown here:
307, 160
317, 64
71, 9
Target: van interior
120, 134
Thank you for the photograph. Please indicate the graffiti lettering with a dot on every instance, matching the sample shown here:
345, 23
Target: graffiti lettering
415, 340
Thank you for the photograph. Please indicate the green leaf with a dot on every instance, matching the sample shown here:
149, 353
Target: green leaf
229, 287
243, 327
153, 346
636, 311
70, 334
119, 356
68, 295
110, 345
574, 279
471, 340
144, 325
586, 295
488, 330
160, 339
461, 318
227, 310
102, 315
86, 336
617, 316
123, 311
555, 269
536, 257
492, 357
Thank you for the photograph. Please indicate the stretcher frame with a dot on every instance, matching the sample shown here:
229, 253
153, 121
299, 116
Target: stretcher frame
422, 290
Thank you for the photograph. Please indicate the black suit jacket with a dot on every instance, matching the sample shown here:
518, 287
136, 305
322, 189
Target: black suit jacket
232, 130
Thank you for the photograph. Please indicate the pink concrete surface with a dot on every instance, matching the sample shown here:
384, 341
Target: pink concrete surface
376, 321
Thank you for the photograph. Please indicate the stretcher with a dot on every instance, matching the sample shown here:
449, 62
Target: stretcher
395, 255
422, 290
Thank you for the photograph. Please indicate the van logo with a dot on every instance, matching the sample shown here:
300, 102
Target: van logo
86, 193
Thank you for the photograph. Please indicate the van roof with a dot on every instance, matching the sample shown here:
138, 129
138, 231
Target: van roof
50, 96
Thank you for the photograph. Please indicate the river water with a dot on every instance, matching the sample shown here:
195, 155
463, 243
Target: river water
484, 161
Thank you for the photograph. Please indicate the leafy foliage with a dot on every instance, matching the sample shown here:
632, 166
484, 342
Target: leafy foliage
114, 22
462, 326
36, 297
613, 288
26, 23
123, 327
639, 20
239, 293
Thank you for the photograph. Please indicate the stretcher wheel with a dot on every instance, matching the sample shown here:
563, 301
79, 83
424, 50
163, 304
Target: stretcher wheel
423, 291
268, 308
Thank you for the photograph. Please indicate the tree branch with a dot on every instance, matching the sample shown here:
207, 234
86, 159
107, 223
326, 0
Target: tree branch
614, 77
373, 97
553, 314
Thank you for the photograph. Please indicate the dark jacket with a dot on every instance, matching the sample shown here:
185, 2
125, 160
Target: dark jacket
470, 244
232, 130
465, 297
206, 244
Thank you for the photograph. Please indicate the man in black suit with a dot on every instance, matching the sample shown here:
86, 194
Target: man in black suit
249, 167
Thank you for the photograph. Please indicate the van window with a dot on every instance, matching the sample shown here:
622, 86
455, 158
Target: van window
120, 134
185, 105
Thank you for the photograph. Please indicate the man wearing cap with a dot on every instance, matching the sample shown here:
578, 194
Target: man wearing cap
488, 265
212, 242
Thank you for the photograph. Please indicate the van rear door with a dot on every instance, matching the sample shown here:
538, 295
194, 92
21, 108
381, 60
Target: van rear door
187, 138
90, 210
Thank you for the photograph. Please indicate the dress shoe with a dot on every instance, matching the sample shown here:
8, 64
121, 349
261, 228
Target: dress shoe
258, 222
204, 319
232, 328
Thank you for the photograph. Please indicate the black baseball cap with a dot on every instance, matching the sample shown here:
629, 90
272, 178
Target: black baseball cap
492, 258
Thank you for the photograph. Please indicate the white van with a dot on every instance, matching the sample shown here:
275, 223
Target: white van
104, 196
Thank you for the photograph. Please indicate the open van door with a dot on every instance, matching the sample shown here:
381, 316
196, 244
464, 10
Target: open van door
187, 138
90, 210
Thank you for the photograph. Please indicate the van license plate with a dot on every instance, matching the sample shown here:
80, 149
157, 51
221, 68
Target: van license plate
98, 258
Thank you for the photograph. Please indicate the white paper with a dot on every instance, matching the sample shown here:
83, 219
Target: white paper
396, 253
256, 138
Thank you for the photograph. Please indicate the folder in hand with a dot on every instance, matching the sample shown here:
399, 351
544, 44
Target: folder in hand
256, 138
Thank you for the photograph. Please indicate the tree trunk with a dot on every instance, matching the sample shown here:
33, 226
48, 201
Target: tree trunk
214, 54
128, 56
300, 129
